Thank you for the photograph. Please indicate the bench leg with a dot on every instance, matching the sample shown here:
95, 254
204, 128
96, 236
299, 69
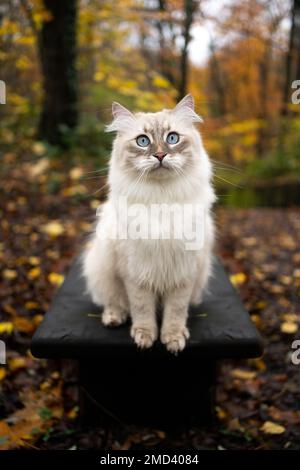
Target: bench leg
163, 393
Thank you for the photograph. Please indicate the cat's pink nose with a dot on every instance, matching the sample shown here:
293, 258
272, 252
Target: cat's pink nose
160, 156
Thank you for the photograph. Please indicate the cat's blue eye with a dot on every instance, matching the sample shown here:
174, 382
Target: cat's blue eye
143, 141
172, 138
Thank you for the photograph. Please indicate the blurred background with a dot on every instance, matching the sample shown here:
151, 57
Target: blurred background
62, 63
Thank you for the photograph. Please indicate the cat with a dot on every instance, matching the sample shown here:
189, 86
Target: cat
157, 158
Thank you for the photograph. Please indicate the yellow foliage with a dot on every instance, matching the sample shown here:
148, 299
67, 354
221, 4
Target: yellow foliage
23, 63
160, 82
56, 279
238, 278
6, 327
54, 228
2, 373
9, 274
272, 428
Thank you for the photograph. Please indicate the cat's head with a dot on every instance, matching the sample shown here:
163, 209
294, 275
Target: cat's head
161, 144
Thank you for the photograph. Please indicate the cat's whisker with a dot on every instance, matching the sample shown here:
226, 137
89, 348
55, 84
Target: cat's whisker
226, 166
96, 171
228, 182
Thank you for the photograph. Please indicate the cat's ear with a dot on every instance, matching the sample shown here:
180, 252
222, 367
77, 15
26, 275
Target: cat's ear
123, 118
119, 111
185, 110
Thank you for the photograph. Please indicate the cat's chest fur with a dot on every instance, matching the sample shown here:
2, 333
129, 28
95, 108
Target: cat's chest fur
160, 264
155, 254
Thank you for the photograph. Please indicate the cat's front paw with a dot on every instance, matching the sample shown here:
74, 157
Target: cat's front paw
113, 317
175, 338
144, 336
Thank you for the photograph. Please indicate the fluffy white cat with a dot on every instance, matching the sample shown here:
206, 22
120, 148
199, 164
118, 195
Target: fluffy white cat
157, 158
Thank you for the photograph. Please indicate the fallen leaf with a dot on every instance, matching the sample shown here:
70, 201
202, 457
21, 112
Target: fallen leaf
94, 204
74, 190
6, 327
243, 374
23, 324
288, 327
54, 228
238, 278
37, 319
221, 414
34, 273
31, 305
2, 373
272, 428
34, 260
9, 274
56, 279
38, 148
17, 363
76, 173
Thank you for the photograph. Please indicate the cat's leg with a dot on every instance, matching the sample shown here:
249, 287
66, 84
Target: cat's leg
204, 268
174, 332
142, 309
116, 307
104, 285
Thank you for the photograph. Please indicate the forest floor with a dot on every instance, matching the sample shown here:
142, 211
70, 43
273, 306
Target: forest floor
46, 214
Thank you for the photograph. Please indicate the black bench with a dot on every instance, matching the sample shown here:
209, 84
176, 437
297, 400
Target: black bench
149, 387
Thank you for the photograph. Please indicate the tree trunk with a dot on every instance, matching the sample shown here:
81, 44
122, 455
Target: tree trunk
57, 48
189, 9
217, 82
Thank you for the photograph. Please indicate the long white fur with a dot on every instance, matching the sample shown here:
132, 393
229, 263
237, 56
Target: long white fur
131, 276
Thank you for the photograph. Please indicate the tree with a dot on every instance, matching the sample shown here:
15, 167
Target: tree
190, 7
57, 48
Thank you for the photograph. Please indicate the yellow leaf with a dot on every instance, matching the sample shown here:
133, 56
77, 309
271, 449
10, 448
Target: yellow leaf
94, 204
34, 260
74, 190
37, 319
243, 374
261, 304
39, 168
272, 428
56, 279
72, 414
30, 305
6, 327
238, 278
221, 413
17, 363
76, 173
54, 228
2, 373
289, 327
39, 148
34, 273
9, 274
45, 385
23, 324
